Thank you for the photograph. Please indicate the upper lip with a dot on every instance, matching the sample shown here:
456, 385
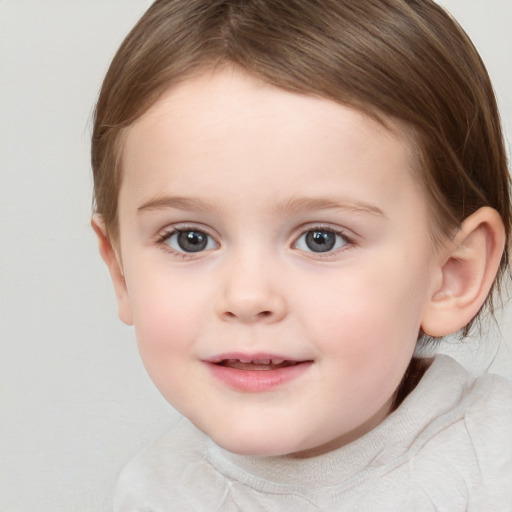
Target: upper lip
258, 357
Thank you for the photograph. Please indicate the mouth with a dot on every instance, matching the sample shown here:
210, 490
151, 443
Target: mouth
256, 373
257, 364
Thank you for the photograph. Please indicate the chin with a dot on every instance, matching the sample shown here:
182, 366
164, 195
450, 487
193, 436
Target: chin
247, 433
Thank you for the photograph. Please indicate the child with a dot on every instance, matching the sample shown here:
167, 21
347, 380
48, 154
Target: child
292, 196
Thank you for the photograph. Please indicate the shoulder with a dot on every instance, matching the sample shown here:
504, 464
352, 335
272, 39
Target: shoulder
466, 449
479, 408
485, 407
488, 423
489, 402
454, 389
155, 478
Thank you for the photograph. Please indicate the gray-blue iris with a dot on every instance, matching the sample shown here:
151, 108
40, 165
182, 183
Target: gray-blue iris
192, 241
320, 241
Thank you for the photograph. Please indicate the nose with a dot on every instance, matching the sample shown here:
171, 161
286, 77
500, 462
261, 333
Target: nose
251, 293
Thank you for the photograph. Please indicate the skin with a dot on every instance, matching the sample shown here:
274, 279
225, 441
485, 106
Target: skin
255, 168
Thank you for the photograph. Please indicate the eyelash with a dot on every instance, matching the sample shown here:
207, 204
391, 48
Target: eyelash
166, 235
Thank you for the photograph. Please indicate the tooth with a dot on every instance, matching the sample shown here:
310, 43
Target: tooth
261, 361
277, 361
247, 361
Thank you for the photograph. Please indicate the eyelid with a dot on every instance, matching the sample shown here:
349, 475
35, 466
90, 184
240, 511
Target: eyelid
186, 226
326, 226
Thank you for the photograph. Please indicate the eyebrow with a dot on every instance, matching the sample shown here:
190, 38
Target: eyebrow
307, 204
287, 207
177, 203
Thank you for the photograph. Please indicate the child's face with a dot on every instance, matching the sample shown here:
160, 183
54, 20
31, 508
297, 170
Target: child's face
257, 224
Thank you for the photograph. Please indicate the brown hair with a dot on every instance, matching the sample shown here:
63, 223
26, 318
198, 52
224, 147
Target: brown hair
405, 60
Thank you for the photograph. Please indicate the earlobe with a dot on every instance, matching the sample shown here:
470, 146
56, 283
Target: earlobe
468, 268
113, 261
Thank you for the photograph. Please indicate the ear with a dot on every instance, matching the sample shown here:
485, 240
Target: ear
469, 264
113, 261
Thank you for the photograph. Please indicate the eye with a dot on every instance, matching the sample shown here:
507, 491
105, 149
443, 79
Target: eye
321, 240
189, 240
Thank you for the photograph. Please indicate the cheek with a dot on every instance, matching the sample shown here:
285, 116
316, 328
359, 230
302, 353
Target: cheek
370, 310
168, 313
365, 331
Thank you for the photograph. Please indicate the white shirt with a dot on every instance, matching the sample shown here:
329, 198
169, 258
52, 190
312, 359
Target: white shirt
448, 447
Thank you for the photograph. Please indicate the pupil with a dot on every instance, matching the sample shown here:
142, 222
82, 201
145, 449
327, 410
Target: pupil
320, 241
192, 241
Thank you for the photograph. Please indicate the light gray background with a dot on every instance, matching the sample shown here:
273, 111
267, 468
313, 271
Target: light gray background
75, 401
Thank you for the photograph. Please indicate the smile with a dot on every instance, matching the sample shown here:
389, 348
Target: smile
257, 373
258, 364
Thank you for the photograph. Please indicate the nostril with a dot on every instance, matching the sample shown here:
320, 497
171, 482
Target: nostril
261, 314
250, 309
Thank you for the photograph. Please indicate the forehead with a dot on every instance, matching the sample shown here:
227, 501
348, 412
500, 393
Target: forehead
230, 126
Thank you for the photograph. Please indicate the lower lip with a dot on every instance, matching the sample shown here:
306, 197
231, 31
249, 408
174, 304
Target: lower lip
257, 381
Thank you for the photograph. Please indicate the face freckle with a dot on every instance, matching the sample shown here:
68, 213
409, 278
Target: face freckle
277, 260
